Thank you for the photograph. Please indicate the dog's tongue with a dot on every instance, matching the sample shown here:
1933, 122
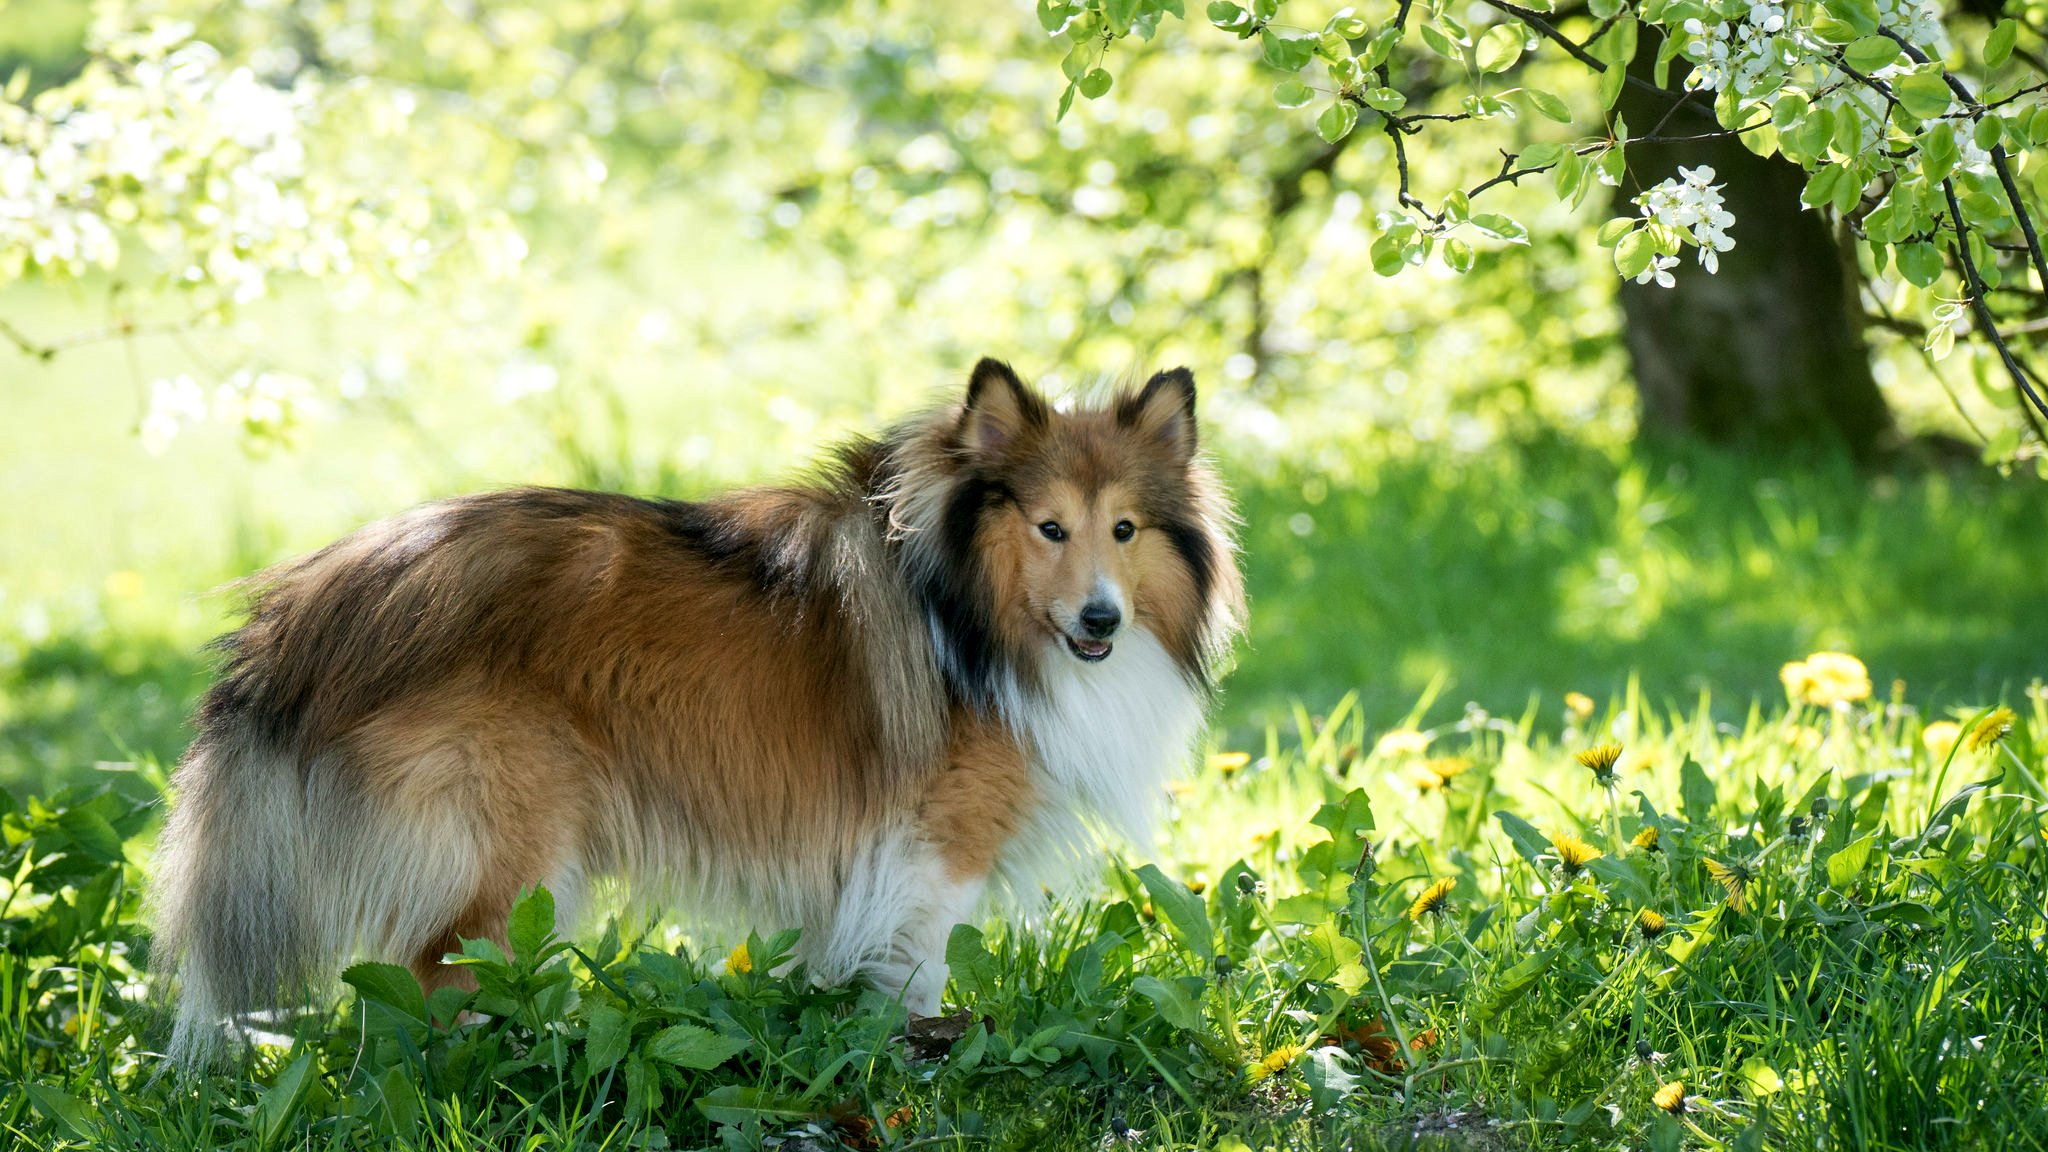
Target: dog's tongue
1091, 647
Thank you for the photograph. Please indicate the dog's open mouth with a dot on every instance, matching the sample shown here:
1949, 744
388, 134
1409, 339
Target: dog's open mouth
1089, 650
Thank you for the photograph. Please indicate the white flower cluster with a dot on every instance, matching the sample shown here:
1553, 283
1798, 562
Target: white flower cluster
264, 403
1736, 54
161, 134
1690, 203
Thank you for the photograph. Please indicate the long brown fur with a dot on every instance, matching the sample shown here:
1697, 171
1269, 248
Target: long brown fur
784, 705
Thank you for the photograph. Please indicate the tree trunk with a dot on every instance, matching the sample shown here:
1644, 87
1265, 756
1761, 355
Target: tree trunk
1768, 352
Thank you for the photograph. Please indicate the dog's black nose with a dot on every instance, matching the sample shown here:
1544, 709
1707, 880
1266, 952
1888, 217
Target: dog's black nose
1100, 619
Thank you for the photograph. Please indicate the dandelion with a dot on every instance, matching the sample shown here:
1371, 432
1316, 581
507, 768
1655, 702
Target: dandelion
1826, 679
1433, 901
741, 961
1578, 706
1990, 730
1601, 759
1573, 854
1940, 736
1646, 839
1275, 1062
1403, 742
1650, 923
1197, 885
1734, 878
1671, 1097
1437, 772
1229, 763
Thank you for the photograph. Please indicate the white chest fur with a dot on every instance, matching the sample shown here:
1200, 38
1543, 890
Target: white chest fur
1105, 738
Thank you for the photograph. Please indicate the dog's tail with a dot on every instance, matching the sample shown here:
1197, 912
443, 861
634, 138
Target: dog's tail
228, 905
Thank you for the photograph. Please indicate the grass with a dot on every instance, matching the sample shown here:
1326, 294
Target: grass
1234, 985
1851, 952
1533, 568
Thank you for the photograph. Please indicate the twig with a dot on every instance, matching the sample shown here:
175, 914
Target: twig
1981, 308
1550, 32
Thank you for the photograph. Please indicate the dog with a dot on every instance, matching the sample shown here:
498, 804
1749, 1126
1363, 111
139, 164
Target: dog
957, 655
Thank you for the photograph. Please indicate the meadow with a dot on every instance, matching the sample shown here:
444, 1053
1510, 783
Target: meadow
1394, 908
1567, 790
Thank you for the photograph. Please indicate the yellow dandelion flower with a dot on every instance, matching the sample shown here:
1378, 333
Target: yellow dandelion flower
1278, 1059
1990, 730
1646, 839
1826, 679
1434, 899
1579, 705
1447, 768
1229, 763
1437, 772
1671, 1097
1573, 854
1403, 742
1650, 923
1734, 879
1940, 736
741, 961
1601, 758
1197, 885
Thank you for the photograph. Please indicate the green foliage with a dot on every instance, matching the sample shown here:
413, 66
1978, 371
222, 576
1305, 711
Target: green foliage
1917, 133
1871, 976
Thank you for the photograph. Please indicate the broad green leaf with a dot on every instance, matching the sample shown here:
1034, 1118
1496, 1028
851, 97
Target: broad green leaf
1547, 104
1228, 16
1457, 255
67, 1112
1181, 910
1387, 259
1696, 794
389, 985
969, 963
1526, 839
280, 1102
1860, 15
1611, 232
1173, 1003
1998, 46
1539, 155
1095, 84
1849, 863
532, 924
91, 832
1385, 99
1336, 121
1759, 1079
1923, 94
1499, 48
1919, 262
692, 1046
1292, 94
606, 1037
1501, 227
739, 1103
1289, 53
1871, 53
1633, 253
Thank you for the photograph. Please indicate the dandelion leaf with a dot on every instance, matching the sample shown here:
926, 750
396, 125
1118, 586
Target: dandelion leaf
1527, 840
1696, 794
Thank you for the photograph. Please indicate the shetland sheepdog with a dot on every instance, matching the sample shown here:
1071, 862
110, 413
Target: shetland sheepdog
956, 656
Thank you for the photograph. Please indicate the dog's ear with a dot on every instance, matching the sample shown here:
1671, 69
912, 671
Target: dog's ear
999, 408
1164, 410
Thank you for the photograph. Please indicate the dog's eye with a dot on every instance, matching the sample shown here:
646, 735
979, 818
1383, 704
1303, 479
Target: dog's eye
1124, 530
1051, 530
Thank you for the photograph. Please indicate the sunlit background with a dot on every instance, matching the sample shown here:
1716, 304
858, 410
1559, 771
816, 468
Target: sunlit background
665, 247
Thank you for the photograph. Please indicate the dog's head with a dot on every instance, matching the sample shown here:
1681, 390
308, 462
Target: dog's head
1095, 520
